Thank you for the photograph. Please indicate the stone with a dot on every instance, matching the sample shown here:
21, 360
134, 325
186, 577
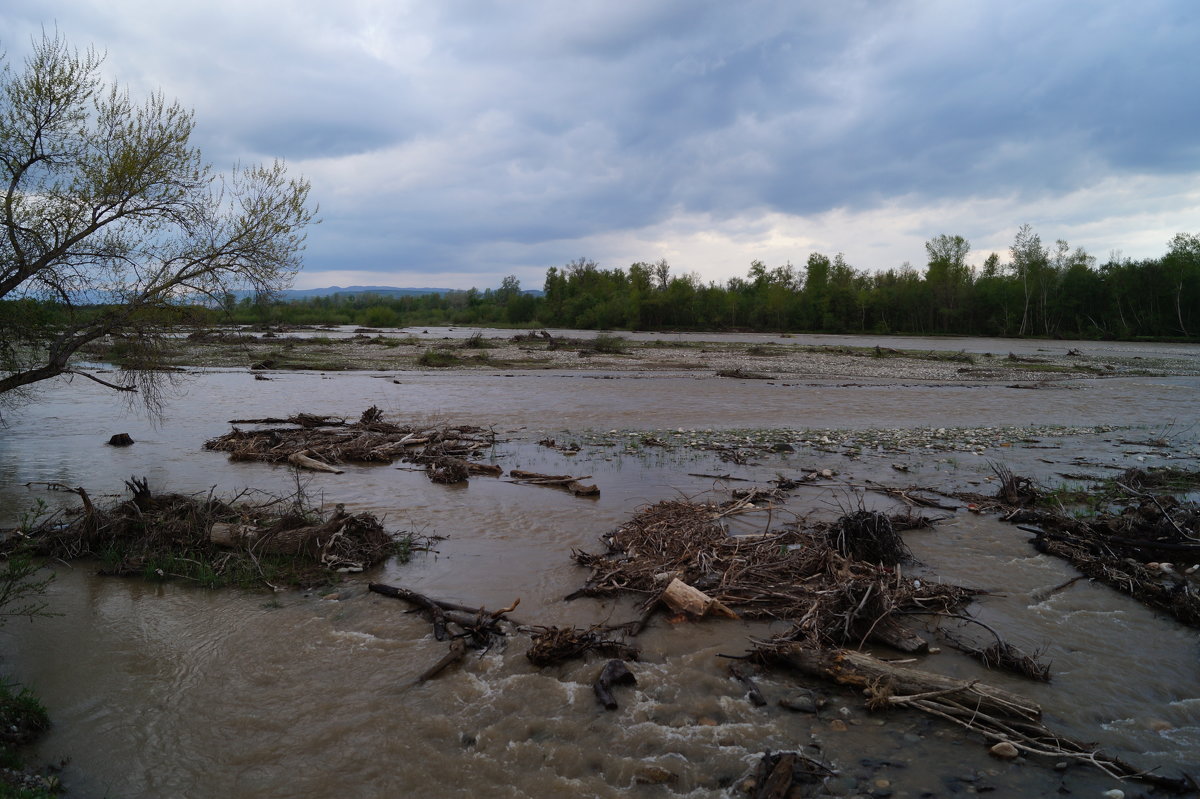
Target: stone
120, 440
654, 775
1004, 750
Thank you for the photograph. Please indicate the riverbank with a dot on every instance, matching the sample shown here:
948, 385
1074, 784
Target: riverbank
215, 679
780, 358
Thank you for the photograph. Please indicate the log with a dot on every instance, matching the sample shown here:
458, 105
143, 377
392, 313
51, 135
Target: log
301, 460
615, 672
435, 610
233, 535
848, 667
458, 649
683, 598
739, 673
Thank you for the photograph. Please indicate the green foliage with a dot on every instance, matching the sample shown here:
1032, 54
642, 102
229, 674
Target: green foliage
437, 358
609, 344
111, 219
23, 719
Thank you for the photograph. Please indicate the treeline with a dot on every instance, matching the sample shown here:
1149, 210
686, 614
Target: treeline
1040, 290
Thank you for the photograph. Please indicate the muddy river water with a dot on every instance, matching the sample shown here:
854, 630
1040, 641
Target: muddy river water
167, 690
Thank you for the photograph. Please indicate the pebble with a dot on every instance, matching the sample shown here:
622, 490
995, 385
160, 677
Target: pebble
837, 725
1115, 793
1004, 750
801, 703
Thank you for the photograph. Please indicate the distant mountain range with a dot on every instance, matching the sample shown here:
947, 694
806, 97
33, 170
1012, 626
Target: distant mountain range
390, 291
387, 291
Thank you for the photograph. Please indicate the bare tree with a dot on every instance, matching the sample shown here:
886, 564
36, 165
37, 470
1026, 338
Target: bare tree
110, 220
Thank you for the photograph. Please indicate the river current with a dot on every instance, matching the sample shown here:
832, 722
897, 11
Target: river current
168, 690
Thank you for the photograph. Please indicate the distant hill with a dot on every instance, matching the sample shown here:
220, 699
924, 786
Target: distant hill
389, 291
386, 291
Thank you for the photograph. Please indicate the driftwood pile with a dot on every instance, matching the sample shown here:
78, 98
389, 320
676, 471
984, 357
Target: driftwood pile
1143, 541
1008, 720
214, 541
321, 443
795, 575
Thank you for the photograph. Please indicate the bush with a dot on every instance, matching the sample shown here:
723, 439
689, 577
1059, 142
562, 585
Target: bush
609, 344
437, 358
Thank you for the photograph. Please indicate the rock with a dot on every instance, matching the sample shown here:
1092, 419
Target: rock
841, 786
120, 440
1115, 793
1004, 750
654, 775
837, 725
801, 703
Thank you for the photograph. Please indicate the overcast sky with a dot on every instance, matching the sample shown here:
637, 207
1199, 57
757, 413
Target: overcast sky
453, 143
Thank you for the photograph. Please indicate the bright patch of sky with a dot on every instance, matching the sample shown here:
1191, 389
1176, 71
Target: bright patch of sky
453, 143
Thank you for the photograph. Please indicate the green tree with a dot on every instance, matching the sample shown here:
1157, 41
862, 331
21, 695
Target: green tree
948, 277
106, 203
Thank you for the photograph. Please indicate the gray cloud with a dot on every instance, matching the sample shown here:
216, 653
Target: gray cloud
468, 138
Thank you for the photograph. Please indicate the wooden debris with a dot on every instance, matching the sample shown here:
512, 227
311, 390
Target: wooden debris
322, 442
553, 645
683, 598
303, 460
572, 484
615, 672
793, 574
1000, 716
742, 675
458, 650
785, 774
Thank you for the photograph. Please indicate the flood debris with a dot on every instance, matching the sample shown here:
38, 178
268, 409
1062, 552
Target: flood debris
322, 443
213, 541
742, 674
1135, 534
615, 672
478, 628
870, 536
574, 485
1000, 716
796, 575
553, 645
782, 775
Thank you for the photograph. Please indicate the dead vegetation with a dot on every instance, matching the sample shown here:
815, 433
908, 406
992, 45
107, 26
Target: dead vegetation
1138, 533
320, 443
796, 574
216, 542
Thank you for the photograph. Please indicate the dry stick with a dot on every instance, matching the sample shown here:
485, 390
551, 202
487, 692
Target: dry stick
458, 649
742, 676
1161, 509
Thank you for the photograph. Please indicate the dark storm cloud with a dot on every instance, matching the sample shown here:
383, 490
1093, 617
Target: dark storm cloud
439, 133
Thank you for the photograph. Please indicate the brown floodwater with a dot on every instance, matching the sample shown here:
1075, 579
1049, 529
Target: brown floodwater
167, 690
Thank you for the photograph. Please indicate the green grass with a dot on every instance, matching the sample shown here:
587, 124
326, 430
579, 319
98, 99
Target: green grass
23, 719
609, 344
438, 359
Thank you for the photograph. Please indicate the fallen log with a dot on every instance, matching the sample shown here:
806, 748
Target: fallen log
998, 715
739, 673
572, 484
683, 598
303, 461
458, 650
615, 672
848, 667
